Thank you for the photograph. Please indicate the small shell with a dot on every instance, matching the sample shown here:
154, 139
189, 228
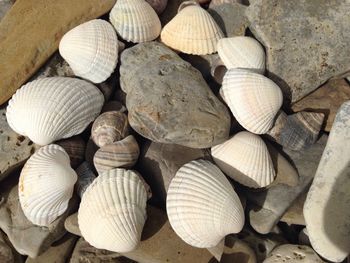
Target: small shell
112, 211
109, 127
158, 5
46, 184
297, 131
85, 177
135, 21
253, 99
192, 31
123, 153
246, 159
242, 52
50, 109
75, 148
202, 206
91, 50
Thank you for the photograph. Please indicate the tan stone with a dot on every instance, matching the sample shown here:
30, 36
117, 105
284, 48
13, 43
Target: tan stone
30, 33
294, 214
326, 99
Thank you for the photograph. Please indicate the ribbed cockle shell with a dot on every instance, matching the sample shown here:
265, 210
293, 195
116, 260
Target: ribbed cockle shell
246, 159
202, 206
50, 109
46, 184
112, 211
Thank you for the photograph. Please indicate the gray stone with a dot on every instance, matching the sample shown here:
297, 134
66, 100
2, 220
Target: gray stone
306, 41
294, 214
168, 100
29, 239
293, 254
267, 207
230, 17
59, 252
6, 254
159, 162
327, 206
85, 253
5, 5
15, 149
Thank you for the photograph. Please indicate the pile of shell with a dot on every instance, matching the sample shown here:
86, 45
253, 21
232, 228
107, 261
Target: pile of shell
201, 204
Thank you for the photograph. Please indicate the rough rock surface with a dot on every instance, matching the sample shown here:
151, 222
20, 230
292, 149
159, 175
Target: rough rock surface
326, 208
28, 239
15, 149
267, 207
306, 41
25, 48
59, 252
293, 254
168, 100
5, 5
230, 17
326, 99
294, 214
85, 253
6, 254
159, 163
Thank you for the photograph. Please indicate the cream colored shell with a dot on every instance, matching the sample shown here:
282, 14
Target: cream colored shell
253, 99
135, 21
192, 31
112, 211
46, 184
202, 206
50, 109
246, 159
242, 52
91, 50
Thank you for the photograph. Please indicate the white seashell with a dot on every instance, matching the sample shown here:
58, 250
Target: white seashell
202, 206
51, 109
91, 50
242, 52
246, 159
46, 184
192, 31
112, 211
135, 20
253, 99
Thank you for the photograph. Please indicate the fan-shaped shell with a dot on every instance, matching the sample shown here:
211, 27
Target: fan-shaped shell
46, 184
91, 50
202, 206
242, 52
109, 127
135, 20
117, 201
253, 99
123, 153
192, 31
246, 159
51, 109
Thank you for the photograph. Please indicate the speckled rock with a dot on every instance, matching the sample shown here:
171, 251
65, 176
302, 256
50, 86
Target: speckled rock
326, 99
294, 214
293, 254
326, 208
5, 5
15, 149
230, 17
159, 163
162, 90
24, 49
29, 239
268, 206
306, 42
59, 252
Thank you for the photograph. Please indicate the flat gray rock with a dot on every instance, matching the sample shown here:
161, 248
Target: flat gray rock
268, 206
5, 5
306, 42
159, 163
29, 239
327, 206
15, 149
168, 100
293, 254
